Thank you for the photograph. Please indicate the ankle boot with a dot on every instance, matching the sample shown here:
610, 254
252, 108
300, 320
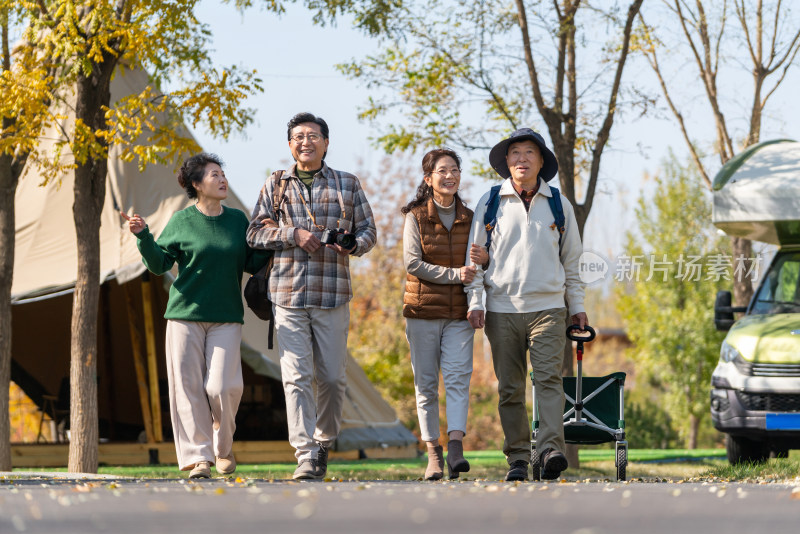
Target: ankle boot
435, 469
456, 463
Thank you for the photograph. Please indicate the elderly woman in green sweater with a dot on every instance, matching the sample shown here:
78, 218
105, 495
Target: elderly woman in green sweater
204, 314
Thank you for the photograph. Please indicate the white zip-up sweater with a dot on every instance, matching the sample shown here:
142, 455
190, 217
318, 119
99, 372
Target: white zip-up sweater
526, 272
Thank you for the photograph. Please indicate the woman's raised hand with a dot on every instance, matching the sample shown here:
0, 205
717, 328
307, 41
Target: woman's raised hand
135, 223
478, 254
467, 273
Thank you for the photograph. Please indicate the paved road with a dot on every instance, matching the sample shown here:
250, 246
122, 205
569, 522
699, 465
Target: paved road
219, 505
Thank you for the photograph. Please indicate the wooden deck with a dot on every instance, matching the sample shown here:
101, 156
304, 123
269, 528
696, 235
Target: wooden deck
247, 452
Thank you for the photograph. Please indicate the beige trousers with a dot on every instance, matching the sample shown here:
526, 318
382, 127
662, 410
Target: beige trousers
444, 344
204, 368
312, 345
511, 336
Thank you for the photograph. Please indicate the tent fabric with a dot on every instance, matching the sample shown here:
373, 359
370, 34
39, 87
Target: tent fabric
757, 195
46, 264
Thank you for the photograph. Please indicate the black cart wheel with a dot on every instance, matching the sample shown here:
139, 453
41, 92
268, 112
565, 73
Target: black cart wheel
622, 463
536, 464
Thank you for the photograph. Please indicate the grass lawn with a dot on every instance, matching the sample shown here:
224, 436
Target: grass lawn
596, 465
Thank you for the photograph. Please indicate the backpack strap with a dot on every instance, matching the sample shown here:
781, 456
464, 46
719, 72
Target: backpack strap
278, 197
490, 216
278, 190
558, 213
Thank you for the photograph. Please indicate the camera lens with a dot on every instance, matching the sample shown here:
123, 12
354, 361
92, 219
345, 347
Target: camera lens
347, 241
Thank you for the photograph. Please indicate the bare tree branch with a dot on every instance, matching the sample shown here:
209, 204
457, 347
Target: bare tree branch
547, 113
790, 50
653, 60
720, 34
773, 41
708, 74
605, 130
783, 75
741, 14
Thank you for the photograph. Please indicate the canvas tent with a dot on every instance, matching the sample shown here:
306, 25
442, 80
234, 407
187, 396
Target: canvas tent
757, 193
44, 274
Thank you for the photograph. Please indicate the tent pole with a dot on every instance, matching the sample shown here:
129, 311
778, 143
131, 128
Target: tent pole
138, 363
152, 365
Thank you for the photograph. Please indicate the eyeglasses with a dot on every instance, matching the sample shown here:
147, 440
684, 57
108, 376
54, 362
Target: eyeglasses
443, 174
299, 138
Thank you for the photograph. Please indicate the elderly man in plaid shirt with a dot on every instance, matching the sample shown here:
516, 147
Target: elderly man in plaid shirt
309, 284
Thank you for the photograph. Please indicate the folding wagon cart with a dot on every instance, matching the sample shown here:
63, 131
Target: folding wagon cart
593, 409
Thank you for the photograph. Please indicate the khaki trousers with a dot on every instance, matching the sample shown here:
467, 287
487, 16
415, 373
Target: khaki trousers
444, 344
511, 336
204, 369
312, 345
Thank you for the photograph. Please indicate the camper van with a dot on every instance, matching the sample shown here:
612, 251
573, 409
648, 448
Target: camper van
755, 388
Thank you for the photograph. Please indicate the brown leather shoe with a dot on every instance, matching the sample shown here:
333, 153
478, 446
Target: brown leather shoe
227, 465
435, 469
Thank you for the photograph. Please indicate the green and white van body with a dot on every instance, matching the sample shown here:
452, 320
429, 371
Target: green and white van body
755, 395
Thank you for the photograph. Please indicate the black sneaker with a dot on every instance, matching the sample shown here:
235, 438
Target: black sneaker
322, 460
518, 471
553, 462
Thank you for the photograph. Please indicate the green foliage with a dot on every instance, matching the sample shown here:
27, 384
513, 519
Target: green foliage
64, 42
648, 423
456, 74
669, 318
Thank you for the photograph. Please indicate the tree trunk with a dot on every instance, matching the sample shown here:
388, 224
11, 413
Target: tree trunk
742, 285
8, 188
694, 427
93, 92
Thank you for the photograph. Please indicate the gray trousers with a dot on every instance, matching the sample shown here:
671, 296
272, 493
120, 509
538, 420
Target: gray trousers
512, 336
312, 345
444, 344
204, 369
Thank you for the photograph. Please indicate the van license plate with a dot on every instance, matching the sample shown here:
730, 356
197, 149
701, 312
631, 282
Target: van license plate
783, 421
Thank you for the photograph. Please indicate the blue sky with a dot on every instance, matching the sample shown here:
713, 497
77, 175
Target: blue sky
296, 61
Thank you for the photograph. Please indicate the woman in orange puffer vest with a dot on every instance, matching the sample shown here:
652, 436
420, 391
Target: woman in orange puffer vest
435, 236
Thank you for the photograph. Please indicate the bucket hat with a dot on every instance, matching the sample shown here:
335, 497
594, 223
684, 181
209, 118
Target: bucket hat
497, 156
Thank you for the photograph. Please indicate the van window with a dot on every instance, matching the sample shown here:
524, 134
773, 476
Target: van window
780, 292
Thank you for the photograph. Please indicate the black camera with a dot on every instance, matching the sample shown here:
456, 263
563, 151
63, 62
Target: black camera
338, 237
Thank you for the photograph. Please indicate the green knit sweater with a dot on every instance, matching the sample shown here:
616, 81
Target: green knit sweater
211, 253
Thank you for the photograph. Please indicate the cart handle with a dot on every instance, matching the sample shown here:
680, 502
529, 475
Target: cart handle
580, 339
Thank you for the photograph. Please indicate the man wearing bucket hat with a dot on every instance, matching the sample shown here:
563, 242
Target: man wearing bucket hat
533, 265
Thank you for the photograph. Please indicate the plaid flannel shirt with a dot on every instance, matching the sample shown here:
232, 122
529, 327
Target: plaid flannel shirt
322, 279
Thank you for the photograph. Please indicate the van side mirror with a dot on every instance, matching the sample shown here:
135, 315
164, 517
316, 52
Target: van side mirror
723, 311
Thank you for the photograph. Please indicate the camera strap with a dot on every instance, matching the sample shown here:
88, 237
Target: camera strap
338, 194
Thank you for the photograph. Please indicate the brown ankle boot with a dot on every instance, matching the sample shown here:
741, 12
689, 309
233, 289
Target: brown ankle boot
456, 463
435, 469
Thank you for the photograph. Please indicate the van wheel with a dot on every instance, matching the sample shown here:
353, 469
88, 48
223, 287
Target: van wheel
779, 453
741, 450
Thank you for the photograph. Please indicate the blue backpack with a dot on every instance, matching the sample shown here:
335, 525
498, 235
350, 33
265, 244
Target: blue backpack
490, 217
